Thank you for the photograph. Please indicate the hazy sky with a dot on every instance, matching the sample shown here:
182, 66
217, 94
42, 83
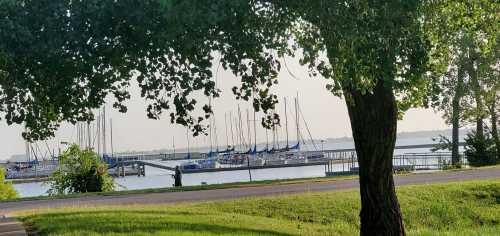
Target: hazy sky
326, 116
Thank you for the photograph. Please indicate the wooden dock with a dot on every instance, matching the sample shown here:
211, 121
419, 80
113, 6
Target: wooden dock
243, 167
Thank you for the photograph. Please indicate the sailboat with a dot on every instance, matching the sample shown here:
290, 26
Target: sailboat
244, 150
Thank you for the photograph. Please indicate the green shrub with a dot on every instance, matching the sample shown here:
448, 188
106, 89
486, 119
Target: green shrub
80, 171
7, 191
480, 151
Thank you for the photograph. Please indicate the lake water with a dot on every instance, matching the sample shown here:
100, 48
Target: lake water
158, 178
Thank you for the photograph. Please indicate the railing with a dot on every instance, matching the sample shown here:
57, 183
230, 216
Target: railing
427, 161
346, 162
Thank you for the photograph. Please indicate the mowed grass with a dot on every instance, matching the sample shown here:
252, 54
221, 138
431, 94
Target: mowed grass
465, 208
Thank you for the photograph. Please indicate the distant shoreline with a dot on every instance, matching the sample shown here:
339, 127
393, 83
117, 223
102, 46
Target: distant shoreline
400, 135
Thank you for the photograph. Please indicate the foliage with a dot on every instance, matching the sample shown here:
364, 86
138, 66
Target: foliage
61, 58
170, 47
7, 191
460, 31
480, 150
80, 171
443, 143
473, 210
354, 38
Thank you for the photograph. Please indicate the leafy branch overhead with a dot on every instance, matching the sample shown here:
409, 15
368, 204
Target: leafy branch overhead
59, 59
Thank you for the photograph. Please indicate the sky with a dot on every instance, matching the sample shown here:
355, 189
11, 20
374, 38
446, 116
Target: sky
326, 116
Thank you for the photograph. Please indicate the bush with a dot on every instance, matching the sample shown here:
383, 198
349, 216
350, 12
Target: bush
80, 171
7, 191
480, 151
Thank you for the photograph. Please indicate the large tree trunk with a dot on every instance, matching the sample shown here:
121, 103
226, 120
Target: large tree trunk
374, 122
478, 96
455, 117
494, 126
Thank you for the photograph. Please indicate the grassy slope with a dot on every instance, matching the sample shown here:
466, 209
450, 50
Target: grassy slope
467, 208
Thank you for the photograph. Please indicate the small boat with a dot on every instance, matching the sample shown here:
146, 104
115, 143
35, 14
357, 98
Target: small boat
190, 166
200, 164
208, 164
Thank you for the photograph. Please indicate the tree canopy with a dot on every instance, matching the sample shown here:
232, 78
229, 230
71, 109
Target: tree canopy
60, 59
462, 33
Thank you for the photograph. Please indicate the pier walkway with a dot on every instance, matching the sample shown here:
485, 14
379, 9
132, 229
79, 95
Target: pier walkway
247, 191
160, 165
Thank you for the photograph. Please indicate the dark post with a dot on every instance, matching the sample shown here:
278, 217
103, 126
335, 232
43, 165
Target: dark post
178, 177
249, 171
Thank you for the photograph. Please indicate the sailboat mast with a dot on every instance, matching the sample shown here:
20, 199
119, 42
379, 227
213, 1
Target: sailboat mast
277, 136
237, 133
173, 145
210, 133
215, 135
89, 144
254, 130
111, 134
78, 135
104, 130
232, 133
274, 135
297, 119
188, 146
225, 125
242, 138
286, 124
98, 131
249, 134
267, 139
82, 135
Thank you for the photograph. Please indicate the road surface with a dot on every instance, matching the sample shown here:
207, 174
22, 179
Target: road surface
232, 193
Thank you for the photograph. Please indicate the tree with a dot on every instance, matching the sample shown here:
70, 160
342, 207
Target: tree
482, 40
493, 102
375, 58
80, 171
480, 150
7, 191
374, 53
452, 89
490, 70
463, 35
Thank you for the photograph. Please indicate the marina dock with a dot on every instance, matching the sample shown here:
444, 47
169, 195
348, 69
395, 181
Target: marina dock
128, 165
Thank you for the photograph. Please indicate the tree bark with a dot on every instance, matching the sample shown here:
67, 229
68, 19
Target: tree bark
455, 117
494, 127
476, 87
374, 122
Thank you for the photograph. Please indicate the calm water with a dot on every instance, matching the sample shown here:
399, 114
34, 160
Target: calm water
158, 178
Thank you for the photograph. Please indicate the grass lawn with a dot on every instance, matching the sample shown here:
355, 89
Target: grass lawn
466, 208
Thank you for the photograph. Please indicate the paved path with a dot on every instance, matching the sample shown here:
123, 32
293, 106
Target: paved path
11, 227
232, 193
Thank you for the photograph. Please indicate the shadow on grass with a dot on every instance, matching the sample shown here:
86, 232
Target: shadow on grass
136, 222
487, 192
